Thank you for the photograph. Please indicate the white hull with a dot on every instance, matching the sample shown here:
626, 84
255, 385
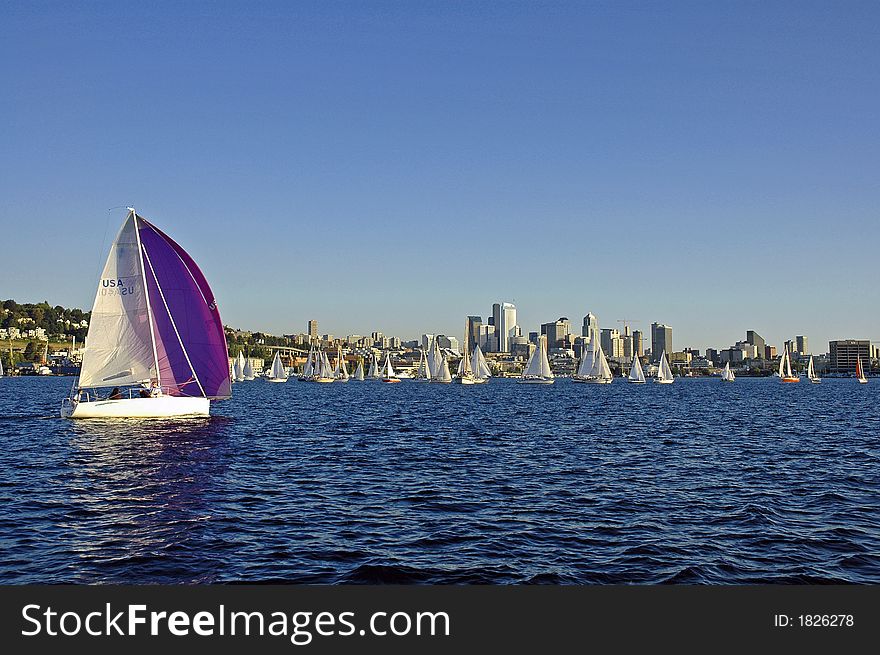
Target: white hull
591, 380
276, 379
659, 381
536, 380
162, 407
466, 381
635, 381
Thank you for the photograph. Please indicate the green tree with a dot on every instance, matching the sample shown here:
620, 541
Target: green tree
29, 351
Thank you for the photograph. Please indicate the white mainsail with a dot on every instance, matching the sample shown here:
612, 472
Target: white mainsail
387, 370
664, 373
1, 368
481, 368
326, 370
600, 369
374, 368
443, 374
248, 369
538, 365
588, 362
121, 347
636, 374
464, 365
239, 367
359, 373
278, 370
727, 375
340, 372
424, 370
309, 368
811, 372
785, 365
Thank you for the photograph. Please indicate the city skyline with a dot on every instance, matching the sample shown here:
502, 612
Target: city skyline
399, 168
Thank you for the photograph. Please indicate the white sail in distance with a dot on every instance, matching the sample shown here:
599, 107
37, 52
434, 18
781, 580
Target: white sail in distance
636, 374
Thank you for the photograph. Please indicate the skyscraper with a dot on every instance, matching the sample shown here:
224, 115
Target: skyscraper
661, 339
757, 341
313, 329
801, 345
504, 320
638, 341
590, 328
472, 332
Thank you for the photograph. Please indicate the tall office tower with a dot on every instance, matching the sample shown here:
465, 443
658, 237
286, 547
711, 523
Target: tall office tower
757, 341
487, 338
661, 339
533, 338
801, 344
612, 344
313, 329
472, 332
844, 353
590, 327
508, 318
427, 342
504, 320
638, 340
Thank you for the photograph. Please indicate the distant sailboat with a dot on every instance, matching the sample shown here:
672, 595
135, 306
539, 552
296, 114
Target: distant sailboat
325, 372
860, 372
636, 374
443, 375
664, 373
1, 368
340, 372
594, 367
727, 375
785, 372
482, 373
811, 372
465, 373
155, 331
309, 367
278, 372
248, 369
374, 373
239, 367
387, 370
537, 370
423, 372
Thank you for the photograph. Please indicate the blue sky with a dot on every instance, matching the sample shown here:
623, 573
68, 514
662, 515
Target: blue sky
398, 166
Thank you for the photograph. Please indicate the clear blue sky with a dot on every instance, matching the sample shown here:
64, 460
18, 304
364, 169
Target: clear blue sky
398, 166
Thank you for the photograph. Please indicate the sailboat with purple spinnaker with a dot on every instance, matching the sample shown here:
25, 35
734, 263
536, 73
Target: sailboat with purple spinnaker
155, 335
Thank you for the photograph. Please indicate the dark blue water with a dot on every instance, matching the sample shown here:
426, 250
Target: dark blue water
696, 482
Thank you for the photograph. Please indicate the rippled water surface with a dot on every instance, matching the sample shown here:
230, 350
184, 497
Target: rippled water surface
696, 482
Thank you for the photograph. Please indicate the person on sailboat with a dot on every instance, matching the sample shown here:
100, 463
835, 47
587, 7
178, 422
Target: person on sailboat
116, 394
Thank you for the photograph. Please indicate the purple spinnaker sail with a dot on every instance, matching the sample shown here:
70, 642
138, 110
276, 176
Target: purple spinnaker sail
190, 340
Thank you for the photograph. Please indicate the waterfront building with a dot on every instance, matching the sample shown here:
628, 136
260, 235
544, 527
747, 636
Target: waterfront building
712, 355
843, 353
472, 331
313, 329
451, 343
770, 352
661, 339
757, 341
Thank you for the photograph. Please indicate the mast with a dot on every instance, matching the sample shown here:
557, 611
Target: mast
137, 235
